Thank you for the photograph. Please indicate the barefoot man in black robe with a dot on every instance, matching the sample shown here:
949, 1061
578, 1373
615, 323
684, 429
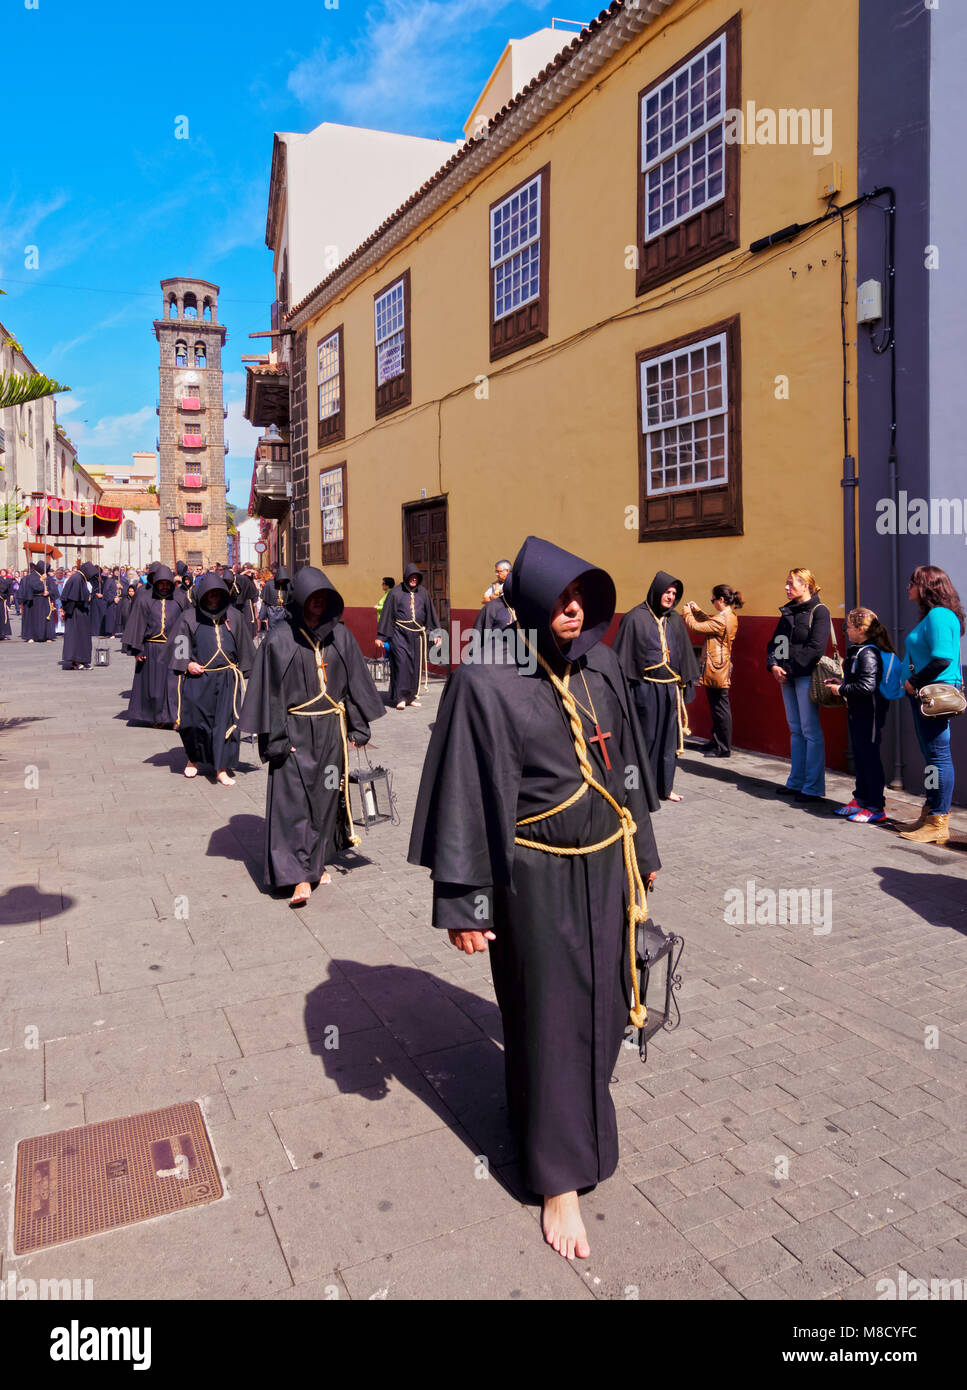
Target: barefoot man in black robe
658, 658
310, 699
533, 816
407, 619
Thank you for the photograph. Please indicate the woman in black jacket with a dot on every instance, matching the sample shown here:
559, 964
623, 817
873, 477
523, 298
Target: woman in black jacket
800, 639
866, 711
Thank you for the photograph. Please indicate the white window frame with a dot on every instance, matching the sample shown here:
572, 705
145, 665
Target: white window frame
518, 251
650, 430
394, 333
324, 380
673, 150
332, 478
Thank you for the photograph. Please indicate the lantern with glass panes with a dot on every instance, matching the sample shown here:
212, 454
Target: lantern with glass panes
370, 791
652, 946
102, 656
378, 668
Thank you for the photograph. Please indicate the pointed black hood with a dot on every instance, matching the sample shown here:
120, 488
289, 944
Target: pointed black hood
211, 583
310, 581
161, 574
89, 571
281, 578
40, 567
411, 569
541, 573
659, 584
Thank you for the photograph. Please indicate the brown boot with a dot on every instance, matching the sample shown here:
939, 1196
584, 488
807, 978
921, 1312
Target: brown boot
919, 822
934, 832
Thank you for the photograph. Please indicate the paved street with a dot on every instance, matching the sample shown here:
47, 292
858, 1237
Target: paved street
801, 1136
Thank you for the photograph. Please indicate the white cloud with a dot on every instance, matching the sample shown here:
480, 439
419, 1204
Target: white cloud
412, 57
122, 434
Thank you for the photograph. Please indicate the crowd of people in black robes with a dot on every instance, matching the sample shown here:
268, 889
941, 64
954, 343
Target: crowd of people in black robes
546, 761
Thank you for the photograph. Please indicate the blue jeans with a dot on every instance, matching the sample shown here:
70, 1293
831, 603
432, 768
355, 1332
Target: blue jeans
933, 736
807, 749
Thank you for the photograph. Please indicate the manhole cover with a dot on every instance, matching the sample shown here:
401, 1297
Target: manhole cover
81, 1181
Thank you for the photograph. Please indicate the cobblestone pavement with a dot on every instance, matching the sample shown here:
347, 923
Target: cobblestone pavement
802, 1135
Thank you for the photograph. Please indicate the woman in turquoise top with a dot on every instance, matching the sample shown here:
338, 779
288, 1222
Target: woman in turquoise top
933, 654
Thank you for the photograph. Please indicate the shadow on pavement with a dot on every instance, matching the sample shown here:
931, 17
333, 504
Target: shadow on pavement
24, 902
240, 840
464, 1085
940, 899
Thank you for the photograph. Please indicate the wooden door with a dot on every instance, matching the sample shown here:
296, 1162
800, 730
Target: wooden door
425, 543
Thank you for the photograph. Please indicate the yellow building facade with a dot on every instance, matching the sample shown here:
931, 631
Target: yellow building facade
671, 400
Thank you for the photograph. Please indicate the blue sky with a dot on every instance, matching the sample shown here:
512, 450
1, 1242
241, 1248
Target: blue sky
95, 179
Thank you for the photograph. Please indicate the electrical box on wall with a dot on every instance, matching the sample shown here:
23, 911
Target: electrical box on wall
830, 179
869, 302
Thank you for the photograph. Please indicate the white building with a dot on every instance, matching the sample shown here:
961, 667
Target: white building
28, 450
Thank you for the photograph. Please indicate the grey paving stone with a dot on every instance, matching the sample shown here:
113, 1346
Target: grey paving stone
877, 1249
756, 1223
870, 1213
503, 1258
284, 1020
248, 1151
345, 1212
751, 1263
933, 1225
813, 1200
926, 1188
816, 1277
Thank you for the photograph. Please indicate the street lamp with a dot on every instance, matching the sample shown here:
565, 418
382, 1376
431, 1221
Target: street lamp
173, 527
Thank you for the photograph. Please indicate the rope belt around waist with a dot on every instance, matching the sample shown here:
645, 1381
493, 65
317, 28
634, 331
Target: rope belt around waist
637, 899
156, 639
208, 669
410, 625
681, 712
339, 708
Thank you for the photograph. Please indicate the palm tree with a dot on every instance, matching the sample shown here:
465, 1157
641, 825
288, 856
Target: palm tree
18, 389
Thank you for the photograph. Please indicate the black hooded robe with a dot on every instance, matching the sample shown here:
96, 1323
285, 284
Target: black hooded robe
247, 601
208, 707
122, 610
109, 588
306, 817
6, 590
154, 687
38, 614
502, 750
274, 596
407, 618
493, 615
659, 683
76, 601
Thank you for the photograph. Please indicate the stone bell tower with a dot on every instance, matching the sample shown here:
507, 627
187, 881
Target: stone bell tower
191, 424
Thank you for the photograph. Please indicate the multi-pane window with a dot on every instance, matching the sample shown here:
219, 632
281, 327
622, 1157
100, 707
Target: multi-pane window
195, 557
329, 398
194, 508
688, 185
684, 417
682, 140
690, 436
515, 248
331, 389
519, 253
391, 310
332, 502
390, 333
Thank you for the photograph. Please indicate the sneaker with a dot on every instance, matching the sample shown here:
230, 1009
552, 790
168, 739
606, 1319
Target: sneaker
866, 817
847, 810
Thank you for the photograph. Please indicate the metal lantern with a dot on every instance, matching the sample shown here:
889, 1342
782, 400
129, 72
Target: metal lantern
102, 656
652, 946
370, 794
378, 668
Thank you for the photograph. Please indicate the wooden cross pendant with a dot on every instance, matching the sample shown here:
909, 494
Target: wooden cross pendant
599, 737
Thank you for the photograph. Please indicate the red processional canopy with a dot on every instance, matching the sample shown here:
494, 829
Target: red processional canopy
61, 516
